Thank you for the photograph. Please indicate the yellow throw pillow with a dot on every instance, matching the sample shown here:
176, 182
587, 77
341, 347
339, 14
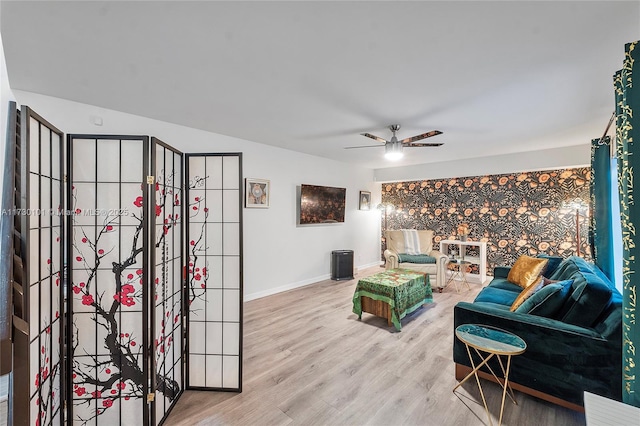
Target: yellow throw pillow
526, 293
526, 270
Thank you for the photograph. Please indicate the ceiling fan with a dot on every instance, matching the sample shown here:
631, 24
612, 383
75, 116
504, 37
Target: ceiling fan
393, 147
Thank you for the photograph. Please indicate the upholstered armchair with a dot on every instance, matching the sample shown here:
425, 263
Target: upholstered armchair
396, 247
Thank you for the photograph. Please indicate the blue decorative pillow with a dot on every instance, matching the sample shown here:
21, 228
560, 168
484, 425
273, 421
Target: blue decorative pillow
548, 300
552, 263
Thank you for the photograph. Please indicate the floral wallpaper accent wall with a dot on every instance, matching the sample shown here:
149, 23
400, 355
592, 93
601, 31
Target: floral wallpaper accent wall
516, 214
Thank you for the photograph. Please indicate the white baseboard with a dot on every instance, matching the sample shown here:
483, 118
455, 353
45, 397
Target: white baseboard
291, 286
309, 281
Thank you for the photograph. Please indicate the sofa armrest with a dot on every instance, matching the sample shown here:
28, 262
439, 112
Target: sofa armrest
391, 258
501, 271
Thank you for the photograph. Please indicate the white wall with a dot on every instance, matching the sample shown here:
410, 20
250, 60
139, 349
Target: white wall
278, 254
545, 159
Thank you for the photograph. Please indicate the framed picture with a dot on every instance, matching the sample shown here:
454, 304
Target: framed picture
365, 200
256, 193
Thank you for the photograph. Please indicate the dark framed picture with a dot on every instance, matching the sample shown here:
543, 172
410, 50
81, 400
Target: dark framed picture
365, 200
256, 193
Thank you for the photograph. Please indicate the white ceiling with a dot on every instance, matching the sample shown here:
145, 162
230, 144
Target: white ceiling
495, 77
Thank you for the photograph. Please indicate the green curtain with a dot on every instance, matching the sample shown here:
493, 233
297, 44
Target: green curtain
627, 131
601, 216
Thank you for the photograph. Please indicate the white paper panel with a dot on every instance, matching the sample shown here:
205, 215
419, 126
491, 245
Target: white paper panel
34, 199
230, 338
214, 371
231, 173
132, 151
34, 146
214, 172
84, 164
45, 202
45, 151
230, 372
197, 365
109, 161
231, 205
231, 272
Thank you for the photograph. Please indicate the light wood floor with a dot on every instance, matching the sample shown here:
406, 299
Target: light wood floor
309, 361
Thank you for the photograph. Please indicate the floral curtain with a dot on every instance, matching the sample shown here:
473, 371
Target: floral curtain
627, 129
602, 233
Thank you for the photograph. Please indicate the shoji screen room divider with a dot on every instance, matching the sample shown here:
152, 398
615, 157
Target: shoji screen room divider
132, 298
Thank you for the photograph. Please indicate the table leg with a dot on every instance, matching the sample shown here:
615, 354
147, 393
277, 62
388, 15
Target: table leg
504, 390
498, 380
474, 372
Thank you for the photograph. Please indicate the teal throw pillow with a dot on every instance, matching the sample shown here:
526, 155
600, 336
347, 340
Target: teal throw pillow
552, 264
548, 300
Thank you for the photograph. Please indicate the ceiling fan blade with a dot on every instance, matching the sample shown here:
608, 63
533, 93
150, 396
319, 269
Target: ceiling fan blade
374, 137
365, 146
418, 145
420, 137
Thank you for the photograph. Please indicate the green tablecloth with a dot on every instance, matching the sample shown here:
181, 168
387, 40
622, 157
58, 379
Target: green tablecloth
404, 291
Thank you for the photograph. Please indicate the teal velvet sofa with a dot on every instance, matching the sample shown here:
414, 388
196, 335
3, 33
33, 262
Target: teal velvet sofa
573, 331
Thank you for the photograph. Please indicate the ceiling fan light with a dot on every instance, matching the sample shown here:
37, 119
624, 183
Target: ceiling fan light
393, 156
393, 151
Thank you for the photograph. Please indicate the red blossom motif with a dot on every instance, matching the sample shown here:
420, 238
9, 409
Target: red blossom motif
133, 343
48, 261
108, 371
157, 186
197, 198
78, 211
138, 202
87, 299
100, 251
165, 229
206, 209
84, 239
195, 207
109, 228
130, 276
192, 242
96, 394
80, 391
197, 277
158, 210
76, 289
127, 288
139, 271
124, 299
79, 258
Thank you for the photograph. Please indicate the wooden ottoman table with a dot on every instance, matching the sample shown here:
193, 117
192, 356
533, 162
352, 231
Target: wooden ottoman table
392, 294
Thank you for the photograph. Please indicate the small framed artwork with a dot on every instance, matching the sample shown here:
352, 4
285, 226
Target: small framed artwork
256, 193
365, 200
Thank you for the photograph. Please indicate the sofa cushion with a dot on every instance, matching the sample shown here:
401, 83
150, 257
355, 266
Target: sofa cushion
497, 295
552, 264
526, 270
589, 298
505, 285
566, 268
526, 294
419, 258
548, 300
